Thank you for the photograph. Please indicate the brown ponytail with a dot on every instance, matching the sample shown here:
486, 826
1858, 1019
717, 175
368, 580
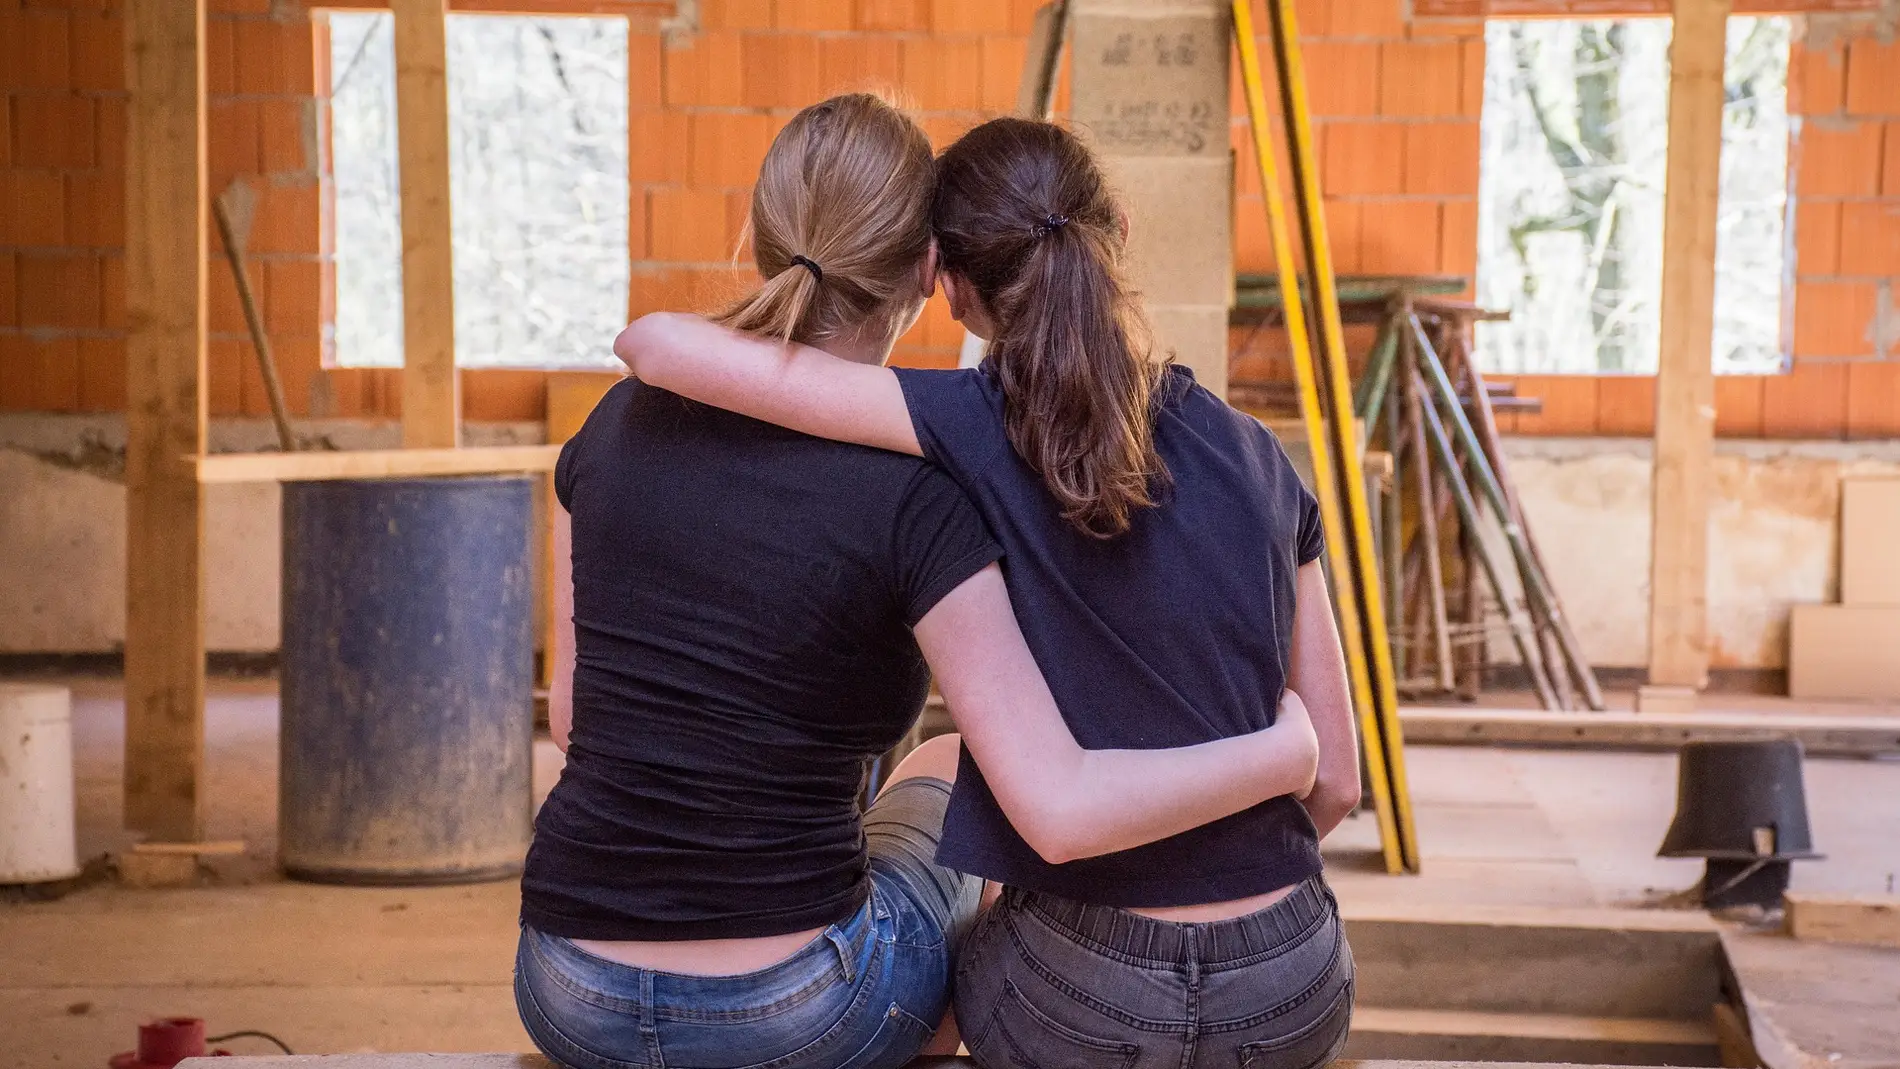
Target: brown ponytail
1023, 214
840, 218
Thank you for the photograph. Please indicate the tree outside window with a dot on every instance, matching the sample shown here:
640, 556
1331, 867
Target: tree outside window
1575, 133
538, 189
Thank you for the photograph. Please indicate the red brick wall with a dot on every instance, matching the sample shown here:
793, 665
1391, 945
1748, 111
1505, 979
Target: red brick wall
1395, 108
1396, 105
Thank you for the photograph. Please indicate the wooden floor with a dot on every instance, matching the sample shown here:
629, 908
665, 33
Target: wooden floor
1545, 837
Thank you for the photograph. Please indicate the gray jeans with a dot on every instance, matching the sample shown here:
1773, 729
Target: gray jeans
1048, 983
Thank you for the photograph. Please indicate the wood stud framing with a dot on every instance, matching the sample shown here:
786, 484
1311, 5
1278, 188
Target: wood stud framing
1685, 381
431, 389
165, 418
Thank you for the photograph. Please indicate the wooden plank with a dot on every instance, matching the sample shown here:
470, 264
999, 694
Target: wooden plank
1599, 9
1037, 87
431, 390
375, 1061
649, 14
1732, 1040
1867, 920
1820, 735
535, 1061
1816, 1005
375, 464
1532, 1026
165, 250
1685, 380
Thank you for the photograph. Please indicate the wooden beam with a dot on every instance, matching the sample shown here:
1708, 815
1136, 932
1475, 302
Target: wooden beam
1685, 378
165, 249
1615, 9
1869, 920
650, 13
431, 390
375, 464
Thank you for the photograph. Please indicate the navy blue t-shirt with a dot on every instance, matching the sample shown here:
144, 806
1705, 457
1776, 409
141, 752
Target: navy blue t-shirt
1174, 633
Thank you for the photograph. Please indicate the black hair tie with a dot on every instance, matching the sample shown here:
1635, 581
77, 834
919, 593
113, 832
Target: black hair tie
806, 263
1051, 223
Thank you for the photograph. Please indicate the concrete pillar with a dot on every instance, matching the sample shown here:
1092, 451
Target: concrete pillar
1150, 90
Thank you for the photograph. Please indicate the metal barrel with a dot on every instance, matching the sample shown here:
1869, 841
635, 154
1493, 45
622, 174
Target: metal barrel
407, 735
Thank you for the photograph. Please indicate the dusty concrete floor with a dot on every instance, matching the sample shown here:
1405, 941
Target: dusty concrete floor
349, 969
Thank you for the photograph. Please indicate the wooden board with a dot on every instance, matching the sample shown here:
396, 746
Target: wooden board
1608, 9
165, 248
1816, 1005
431, 390
535, 1061
376, 1061
1821, 736
1844, 651
1685, 380
1533, 1026
1732, 1040
1870, 516
1866, 920
375, 464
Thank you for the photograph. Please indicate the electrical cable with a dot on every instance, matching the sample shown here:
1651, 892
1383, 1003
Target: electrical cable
248, 1034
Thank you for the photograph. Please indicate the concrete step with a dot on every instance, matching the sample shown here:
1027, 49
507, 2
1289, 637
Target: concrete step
1624, 964
1458, 1035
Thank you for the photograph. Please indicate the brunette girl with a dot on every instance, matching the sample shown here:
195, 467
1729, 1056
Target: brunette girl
1162, 558
746, 613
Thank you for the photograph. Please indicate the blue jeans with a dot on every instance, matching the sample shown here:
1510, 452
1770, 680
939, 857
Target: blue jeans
865, 994
1049, 983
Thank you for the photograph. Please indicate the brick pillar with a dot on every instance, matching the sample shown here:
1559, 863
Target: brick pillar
1150, 83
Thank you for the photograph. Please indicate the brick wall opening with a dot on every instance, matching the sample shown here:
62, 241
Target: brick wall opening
538, 158
1571, 189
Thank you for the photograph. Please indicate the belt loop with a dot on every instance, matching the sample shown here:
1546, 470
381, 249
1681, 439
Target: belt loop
650, 1020
843, 947
1191, 940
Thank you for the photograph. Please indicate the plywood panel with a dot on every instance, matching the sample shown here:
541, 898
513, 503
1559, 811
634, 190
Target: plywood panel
1870, 514
1844, 651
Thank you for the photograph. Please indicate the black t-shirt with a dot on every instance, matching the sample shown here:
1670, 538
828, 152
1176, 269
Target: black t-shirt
743, 598
1174, 633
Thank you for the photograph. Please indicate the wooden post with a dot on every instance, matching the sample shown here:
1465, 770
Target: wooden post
165, 249
1685, 380
431, 390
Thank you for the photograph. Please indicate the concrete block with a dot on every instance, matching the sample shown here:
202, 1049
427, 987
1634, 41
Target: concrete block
1153, 82
1180, 227
1197, 338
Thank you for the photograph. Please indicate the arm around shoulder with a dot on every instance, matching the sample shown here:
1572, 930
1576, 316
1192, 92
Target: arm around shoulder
795, 386
1067, 802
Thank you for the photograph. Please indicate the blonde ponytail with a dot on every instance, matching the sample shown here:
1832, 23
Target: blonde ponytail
840, 218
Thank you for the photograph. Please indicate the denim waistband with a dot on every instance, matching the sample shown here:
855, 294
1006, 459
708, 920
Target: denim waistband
843, 943
1146, 940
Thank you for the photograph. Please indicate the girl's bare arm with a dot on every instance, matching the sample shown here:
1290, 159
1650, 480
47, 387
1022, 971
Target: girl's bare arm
794, 386
1317, 671
1067, 802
